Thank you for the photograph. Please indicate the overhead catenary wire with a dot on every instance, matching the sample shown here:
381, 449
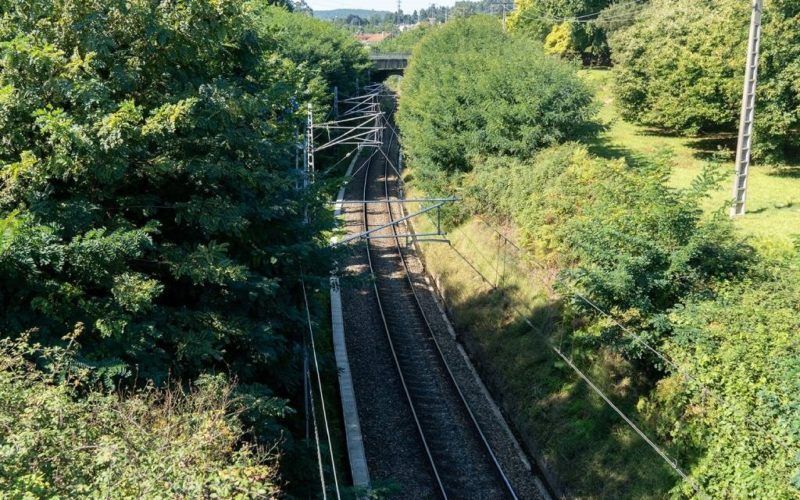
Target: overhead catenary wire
365, 162
341, 160
683, 372
638, 6
321, 393
310, 396
407, 273
660, 451
673, 463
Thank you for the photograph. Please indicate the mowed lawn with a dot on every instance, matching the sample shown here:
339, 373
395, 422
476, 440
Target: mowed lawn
773, 200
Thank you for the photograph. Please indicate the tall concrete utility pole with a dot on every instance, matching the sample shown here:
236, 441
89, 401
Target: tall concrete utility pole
746, 121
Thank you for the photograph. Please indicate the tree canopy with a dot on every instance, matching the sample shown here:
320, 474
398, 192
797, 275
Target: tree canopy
405, 41
316, 46
467, 91
149, 202
680, 66
544, 20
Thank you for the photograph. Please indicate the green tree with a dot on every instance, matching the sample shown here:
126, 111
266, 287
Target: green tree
149, 193
314, 45
468, 92
406, 40
561, 41
147, 152
680, 67
543, 19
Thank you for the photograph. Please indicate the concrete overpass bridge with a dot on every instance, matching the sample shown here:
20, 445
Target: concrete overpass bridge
390, 62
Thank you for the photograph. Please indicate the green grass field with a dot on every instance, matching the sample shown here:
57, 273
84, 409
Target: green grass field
774, 190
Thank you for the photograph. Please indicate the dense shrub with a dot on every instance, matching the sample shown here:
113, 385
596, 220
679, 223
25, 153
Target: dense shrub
472, 90
742, 343
59, 439
680, 67
623, 235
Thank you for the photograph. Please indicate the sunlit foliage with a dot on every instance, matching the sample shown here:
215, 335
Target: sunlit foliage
62, 439
471, 90
681, 67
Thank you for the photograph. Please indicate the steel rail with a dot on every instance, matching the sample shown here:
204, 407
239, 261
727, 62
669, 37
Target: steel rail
404, 200
410, 401
499, 469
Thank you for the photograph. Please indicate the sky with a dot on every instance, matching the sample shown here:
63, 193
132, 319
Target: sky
390, 5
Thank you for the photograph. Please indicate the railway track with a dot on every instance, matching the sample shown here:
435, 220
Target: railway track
459, 456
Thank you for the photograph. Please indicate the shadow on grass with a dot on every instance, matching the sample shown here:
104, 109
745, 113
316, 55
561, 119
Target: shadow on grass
660, 132
714, 147
786, 171
707, 147
601, 146
785, 206
582, 441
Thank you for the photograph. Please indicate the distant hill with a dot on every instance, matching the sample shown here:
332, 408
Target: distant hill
343, 13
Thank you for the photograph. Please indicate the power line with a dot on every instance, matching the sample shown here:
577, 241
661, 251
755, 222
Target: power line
346, 156
638, 338
310, 396
660, 451
321, 395
588, 18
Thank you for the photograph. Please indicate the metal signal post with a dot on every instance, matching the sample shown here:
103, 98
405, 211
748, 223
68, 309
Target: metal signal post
309, 148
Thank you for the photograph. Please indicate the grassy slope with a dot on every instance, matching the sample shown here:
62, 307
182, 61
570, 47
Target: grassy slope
774, 190
585, 444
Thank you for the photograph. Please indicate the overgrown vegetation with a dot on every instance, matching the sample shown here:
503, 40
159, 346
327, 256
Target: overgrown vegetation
680, 67
404, 41
462, 98
640, 245
618, 233
62, 439
149, 202
585, 41
741, 340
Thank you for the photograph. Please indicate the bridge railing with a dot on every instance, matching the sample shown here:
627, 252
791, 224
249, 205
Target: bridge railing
382, 56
